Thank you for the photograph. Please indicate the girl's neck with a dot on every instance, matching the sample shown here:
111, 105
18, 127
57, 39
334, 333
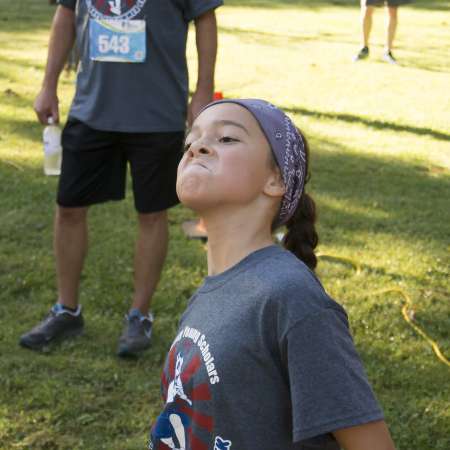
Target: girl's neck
232, 239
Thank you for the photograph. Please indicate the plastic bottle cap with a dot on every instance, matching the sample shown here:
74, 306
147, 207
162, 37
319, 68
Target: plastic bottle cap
50, 120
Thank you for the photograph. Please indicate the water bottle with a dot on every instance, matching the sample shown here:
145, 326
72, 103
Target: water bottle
52, 148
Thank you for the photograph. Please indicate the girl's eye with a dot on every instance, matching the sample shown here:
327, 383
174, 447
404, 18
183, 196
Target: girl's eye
187, 146
227, 139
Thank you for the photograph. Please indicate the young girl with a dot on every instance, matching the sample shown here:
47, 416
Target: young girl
263, 359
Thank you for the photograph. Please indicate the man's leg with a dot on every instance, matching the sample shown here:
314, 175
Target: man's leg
150, 253
149, 256
70, 245
366, 22
366, 27
392, 20
153, 158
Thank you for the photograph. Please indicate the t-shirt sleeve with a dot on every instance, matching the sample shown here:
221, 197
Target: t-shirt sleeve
329, 388
71, 4
195, 8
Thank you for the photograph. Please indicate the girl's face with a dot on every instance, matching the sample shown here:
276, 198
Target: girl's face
227, 160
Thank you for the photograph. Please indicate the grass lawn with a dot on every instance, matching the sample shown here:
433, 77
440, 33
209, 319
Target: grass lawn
380, 138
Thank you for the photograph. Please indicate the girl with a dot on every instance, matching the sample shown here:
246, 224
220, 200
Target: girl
263, 359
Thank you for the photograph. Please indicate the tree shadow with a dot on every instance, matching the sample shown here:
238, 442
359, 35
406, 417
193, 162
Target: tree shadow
19, 63
25, 15
382, 194
372, 123
26, 129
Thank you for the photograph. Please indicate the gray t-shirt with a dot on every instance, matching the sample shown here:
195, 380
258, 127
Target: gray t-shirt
149, 96
263, 360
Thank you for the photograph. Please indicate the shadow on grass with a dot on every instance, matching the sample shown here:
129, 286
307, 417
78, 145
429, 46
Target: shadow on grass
25, 15
372, 123
384, 195
408, 202
19, 64
27, 129
10, 97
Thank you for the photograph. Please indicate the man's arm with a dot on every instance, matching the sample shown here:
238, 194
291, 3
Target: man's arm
62, 38
206, 40
370, 436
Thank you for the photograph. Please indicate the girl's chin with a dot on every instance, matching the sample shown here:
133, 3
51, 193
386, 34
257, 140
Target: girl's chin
194, 202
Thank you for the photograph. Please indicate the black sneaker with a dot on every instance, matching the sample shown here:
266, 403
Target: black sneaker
389, 58
137, 333
59, 324
362, 54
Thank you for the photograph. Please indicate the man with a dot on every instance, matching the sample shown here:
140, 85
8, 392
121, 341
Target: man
367, 9
130, 107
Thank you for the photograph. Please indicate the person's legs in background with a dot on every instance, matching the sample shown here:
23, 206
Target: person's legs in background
92, 171
366, 28
70, 246
149, 256
153, 159
366, 22
391, 28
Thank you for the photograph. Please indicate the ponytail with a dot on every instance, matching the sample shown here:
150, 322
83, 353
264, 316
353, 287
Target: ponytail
301, 237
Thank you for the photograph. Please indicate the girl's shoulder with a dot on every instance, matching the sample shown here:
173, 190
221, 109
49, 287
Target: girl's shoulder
292, 288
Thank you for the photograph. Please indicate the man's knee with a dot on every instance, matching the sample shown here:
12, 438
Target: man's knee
71, 216
152, 219
367, 10
392, 11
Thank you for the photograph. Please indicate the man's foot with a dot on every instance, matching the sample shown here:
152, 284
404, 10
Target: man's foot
60, 323
389, 58
137, 333
362, 54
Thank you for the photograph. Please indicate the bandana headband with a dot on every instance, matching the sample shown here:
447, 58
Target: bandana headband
287, 147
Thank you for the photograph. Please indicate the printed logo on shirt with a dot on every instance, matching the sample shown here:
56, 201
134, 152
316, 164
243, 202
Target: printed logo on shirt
221, 444
189, 373
114, 9
200, 340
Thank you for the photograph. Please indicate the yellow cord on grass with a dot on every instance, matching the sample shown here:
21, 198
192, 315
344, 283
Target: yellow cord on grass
407, 305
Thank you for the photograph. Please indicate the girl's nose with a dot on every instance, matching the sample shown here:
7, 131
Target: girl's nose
198, 148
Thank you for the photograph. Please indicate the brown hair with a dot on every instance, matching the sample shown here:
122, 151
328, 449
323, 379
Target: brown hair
301, 237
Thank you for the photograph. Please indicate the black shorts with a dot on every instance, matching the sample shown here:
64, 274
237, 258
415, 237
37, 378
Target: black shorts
94, 167
387, 2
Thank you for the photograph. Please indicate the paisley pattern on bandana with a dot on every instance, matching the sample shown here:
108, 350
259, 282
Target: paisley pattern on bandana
293, 170
287, 146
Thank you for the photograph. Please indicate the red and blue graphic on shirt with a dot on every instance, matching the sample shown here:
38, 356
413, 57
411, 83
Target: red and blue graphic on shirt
114, 9
187, 421
173, 429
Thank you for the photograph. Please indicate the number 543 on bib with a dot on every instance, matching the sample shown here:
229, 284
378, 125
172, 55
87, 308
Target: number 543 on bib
117, 40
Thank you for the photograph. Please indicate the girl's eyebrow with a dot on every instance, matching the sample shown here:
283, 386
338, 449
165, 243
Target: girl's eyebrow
224, 122
231, 122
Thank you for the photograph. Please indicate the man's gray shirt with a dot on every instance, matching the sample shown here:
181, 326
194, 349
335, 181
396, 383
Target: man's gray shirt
136, 97
263, 360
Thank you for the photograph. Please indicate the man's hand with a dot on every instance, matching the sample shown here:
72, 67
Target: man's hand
46, 105
62, 38
200, 98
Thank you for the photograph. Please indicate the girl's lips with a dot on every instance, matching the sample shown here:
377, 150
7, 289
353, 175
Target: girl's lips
197, 163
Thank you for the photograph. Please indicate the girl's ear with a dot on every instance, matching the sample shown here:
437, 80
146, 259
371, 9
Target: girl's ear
274, 186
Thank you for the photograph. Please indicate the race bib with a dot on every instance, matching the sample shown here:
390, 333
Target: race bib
117, 40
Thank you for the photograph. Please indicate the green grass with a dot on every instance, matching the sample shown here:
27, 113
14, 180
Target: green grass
380, 140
